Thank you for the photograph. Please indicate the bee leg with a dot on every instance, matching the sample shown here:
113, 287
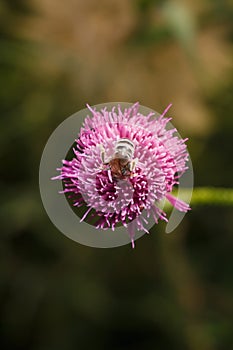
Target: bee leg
102, 153
132, 164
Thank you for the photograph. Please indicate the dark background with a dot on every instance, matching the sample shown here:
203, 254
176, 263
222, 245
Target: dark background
172, 291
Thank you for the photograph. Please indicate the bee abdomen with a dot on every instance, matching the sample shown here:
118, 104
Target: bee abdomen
124, 148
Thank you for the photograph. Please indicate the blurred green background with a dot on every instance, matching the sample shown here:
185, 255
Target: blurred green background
173, 291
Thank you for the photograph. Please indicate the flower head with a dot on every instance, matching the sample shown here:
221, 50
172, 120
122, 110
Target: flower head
124, 164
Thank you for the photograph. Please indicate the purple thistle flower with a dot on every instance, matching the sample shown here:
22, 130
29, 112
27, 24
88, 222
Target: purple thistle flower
124, 164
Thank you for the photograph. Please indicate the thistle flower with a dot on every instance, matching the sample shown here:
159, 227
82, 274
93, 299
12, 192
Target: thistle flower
125, 163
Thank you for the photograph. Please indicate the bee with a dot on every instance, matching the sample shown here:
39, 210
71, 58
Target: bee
122, 164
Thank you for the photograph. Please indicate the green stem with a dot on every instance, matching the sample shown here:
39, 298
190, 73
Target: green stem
210, 196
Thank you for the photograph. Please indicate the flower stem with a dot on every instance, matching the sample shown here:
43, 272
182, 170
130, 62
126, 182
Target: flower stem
210, 196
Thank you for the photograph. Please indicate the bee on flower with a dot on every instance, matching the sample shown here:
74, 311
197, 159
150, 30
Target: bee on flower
121, 164
125, 163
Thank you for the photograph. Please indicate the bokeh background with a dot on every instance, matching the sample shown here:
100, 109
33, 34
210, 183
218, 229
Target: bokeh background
172, 291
